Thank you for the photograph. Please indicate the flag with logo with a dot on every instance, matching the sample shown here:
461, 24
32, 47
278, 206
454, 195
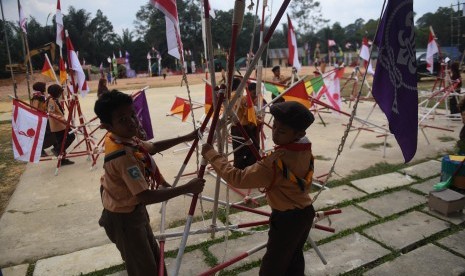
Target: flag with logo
143, 114
292, 45
75, 66
395, 81
28, 130
22, 19
173, 35
333, 88
431, 50
298, 93
60, 27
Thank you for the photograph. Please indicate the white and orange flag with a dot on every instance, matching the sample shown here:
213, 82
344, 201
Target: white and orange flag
173, 35
60, 27
75, 66
431, 50
27, 132
292, 45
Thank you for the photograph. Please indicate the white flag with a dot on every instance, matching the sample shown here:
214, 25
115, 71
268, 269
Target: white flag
365, 55
60, 27
22, 19
28, 130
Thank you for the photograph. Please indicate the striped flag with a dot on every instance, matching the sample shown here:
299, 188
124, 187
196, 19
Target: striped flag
431, 50
28, 130
315, 86
22, 18
47, 69
298, 93
274, 88
75, 66
173, 35
292, 45
63, 74
60, 27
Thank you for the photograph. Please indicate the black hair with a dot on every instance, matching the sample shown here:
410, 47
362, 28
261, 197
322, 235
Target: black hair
109, 102
235, 83
252, 86
275, 68
55, 90
39, 86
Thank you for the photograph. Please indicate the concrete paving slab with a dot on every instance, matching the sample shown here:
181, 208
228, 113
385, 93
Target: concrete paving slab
173, 243
350, 217
455, 218
252, 272
192, 263
406, 230
243, 217
426, 186
382, 182
79, 262
424, 170
426, 260
455, 242
238, 246
343, 255
18, 270
393, 203
335, 196
43, 236
119, 273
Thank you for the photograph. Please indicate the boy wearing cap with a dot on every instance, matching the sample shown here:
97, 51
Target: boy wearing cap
285, 176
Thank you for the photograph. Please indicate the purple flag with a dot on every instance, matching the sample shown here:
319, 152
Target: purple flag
395, 80
142, 111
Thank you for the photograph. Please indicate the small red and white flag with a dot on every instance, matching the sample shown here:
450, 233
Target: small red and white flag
431, 50
75, 66
331, 43
60, 27
173, 35
365, 55
22, 19
333, 87
292, 45
27, 132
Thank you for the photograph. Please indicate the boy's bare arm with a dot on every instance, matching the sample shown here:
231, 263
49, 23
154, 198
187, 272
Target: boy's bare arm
160, 146
194, 186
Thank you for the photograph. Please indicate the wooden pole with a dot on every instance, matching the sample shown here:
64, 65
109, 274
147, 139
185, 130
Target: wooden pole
15, 86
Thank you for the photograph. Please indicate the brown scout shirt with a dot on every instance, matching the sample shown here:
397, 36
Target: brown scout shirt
123, 178
282, 194
53, 108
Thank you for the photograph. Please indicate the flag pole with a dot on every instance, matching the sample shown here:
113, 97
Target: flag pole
15, 86
26, 55
259, 67
51, 67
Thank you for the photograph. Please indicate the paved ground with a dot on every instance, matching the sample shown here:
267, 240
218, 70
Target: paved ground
51, 221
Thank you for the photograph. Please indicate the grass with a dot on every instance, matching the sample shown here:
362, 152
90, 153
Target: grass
10, 169
375, 146
446, 139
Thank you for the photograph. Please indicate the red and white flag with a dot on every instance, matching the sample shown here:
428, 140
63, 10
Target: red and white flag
331, 43
333, 87
431, 50
75, 66
292, 45
365, 55
22, 19
27, 132
60, 27
173, 35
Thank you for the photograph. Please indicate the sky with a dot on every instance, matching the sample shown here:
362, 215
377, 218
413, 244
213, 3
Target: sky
122, 13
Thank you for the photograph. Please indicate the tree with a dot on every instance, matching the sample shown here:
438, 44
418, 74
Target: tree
308, 15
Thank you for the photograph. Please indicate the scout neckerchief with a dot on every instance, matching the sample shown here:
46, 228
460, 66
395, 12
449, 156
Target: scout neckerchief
303, 183
38, 95
151, 172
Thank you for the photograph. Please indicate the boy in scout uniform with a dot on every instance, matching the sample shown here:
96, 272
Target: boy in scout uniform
57, 127
130, 171
285, 176
38, 101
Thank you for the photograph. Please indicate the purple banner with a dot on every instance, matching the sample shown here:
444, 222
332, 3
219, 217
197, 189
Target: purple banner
142, 111
395, 80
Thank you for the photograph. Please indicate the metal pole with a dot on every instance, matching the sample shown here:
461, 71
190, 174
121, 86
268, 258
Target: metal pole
15, 86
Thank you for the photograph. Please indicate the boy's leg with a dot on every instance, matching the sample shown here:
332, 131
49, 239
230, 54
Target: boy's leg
285, 237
